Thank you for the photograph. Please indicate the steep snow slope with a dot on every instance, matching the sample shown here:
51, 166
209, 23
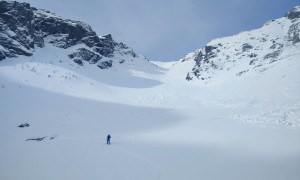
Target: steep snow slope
48, 69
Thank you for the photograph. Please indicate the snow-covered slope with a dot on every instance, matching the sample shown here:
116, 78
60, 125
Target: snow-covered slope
257, 70
66, 140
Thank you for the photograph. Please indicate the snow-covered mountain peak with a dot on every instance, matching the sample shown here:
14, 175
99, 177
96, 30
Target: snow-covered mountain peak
294, 13
251, 51
25, 28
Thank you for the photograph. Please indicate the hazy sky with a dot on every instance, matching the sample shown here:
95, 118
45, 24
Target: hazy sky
166, 30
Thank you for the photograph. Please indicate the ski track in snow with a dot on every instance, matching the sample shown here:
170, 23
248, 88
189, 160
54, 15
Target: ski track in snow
143, 159
112, 161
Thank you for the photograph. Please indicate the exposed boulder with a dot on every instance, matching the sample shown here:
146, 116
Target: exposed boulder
23, 125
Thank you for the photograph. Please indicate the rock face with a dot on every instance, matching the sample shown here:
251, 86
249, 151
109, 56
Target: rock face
24, 28
294, 31
294, 13
255, 50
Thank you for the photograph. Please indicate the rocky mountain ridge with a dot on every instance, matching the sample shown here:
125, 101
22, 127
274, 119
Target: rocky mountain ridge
24, 28
255, 50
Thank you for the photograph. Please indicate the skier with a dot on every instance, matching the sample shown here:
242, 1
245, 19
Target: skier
108, 139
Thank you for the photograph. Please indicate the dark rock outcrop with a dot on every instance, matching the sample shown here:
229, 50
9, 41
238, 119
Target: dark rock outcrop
36, 139
23, 125
294, 33
203, 62
86, 55
246, 47
105, 64
294, 13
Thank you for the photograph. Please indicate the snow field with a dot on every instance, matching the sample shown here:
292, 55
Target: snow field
158, 141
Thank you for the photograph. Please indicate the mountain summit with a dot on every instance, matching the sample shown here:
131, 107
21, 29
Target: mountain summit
23, 29
250, 51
